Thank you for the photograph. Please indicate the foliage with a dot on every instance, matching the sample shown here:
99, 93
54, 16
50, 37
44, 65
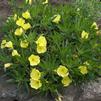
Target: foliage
47, 47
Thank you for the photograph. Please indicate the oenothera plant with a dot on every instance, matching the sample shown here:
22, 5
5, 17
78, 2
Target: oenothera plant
50, 47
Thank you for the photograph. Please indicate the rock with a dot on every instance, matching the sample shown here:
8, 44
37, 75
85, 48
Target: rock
39, 98
86, 92
7, 90
5, 10
70, 93
91, 91
99, 23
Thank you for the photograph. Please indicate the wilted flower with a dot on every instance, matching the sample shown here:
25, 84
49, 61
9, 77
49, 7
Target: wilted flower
7, 65
95, 26
29, 2
57, 18
15, 53
3, 43
15, 17
84, 35
9, 44
45, 2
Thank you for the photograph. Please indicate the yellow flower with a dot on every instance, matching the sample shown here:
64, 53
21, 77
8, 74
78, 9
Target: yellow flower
18, 32
41, 41
57, 18
62, 71
9, 44
35, 74
36, 84
66, 81
83, 69
7, 65
41, 49
24, 44
84, 35
34, 60
3, 43
45, 2
26, 26
29, 2
95, 26
41, 44
26, 15
20, 22
15, 17
15, 53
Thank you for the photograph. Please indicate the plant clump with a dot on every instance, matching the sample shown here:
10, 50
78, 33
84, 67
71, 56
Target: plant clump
49, 47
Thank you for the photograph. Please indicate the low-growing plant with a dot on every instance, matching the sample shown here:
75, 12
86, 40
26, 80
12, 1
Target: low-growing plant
47, 47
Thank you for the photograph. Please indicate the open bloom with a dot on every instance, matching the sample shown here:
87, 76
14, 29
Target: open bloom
41, 41
26, 26
15, 53
24, 44
62, 71
20, 22
35, 74
45, 2
36, 84
84, 35
26, 15
18, 32
34, 60
57, 18
83, 69
66, 81
3, 43
95, 26
41, 49
41, 44
9, 44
